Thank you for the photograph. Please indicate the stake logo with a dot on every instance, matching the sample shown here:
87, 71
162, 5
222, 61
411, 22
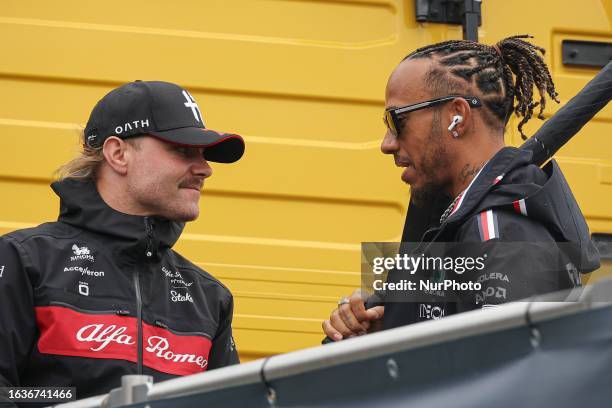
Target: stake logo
178, 282
180, 297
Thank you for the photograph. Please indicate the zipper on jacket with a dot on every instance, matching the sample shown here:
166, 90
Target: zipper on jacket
163, 325
139, 314
119, 312
150, 232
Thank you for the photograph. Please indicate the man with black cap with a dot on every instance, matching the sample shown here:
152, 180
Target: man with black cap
100, 293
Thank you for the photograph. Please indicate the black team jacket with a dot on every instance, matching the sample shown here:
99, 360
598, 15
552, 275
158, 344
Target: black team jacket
525, 225
100, 294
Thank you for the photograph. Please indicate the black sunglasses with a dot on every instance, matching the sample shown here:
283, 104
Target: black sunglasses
392, 119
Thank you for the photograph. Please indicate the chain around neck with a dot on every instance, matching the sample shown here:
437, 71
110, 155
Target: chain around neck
447, 212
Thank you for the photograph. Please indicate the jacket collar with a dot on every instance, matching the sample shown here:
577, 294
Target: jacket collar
82, 206
502, 163
473, 198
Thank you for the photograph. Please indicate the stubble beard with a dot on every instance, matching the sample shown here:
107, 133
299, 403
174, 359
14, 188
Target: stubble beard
433, 163
173, 210
179, 211
155, 201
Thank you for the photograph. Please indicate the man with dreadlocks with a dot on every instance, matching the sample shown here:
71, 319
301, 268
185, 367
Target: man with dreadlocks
447, 106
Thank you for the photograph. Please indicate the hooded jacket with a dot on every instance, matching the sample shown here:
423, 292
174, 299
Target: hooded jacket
100, 294
524, 223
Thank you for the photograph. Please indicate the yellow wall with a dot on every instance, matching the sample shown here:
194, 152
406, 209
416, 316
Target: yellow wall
303, 81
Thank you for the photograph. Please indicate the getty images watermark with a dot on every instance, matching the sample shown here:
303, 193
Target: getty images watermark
432, 264
475, 272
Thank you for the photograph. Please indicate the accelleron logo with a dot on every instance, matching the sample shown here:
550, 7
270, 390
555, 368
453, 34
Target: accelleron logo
83, 271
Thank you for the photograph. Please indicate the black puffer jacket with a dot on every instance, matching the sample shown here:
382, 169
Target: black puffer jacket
100, 294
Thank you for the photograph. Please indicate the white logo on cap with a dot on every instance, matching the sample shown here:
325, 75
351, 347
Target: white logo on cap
191, 103
141, 123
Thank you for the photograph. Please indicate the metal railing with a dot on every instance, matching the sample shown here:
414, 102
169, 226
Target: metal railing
526, 313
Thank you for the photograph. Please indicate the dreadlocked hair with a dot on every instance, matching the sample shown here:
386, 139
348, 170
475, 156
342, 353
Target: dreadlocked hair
503, 73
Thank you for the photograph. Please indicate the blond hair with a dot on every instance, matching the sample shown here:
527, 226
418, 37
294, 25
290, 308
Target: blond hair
88, 160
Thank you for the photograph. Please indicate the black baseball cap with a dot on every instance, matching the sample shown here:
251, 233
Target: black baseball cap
163, 110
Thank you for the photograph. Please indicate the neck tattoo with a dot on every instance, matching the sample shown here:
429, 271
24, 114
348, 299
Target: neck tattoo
468, 171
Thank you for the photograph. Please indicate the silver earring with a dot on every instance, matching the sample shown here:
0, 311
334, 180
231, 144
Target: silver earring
455, 134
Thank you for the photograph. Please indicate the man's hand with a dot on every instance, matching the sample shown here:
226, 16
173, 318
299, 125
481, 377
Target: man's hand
352, 319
